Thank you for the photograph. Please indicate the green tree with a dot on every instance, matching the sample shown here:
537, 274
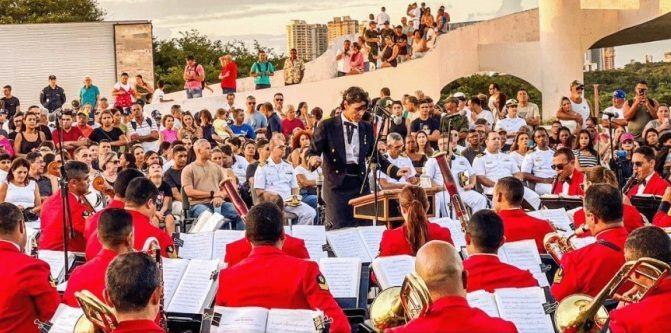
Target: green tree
49, 11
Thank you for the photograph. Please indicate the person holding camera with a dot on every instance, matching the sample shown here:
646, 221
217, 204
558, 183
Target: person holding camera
640, 110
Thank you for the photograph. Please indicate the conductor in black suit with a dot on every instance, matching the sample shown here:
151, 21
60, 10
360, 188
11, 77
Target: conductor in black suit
346, 142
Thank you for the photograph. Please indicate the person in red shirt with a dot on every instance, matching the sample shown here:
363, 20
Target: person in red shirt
652, 313
484, 237
270, 279
416, 230
132, 286
438, 264
83, 125
587, 270
517, 225
568, 179
140, 203
647, 180
290, 122
115, 231
51, 217
228, 75
72, 136
27, 291
662, 218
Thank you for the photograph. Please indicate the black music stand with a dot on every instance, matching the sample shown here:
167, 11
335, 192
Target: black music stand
555, 202
647, 205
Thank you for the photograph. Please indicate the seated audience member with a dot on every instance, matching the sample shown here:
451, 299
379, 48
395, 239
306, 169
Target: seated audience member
27, 293
239, 127
652, 312
569, 179
603, 212
133, 288
396, 157
537, 164
647, 180
484, 237
163, 215
518, 225
20, 190
115, 231
36, 173
293, 283
416, 229
438, 264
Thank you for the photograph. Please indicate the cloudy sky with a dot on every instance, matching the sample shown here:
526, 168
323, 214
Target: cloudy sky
266, 20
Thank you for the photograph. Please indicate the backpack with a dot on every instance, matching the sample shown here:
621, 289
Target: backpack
134, 123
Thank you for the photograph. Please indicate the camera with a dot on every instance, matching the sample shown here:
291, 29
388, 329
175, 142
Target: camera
620, 154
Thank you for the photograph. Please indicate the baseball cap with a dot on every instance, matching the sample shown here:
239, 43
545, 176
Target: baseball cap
626, 136
52, 77
82, 113
577, 83
511, 102
460, 96
619, 94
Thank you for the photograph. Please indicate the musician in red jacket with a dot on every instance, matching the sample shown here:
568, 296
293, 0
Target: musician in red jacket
416, 230
27, 291
132, 286
517, 225
652, 313
269, 278
647, 180
484, 237
115, 231
438, 264
568, 177
662, 218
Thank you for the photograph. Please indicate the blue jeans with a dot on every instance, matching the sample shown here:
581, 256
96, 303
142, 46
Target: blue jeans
233, 220
194, 93
228, 90
311, 200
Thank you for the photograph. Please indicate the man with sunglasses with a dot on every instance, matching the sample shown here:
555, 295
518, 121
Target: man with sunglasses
580, 107
253, 117
647, 180
278, 104
568, 178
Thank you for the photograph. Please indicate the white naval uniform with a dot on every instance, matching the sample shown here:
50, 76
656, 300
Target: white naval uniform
280, 178
498, 165
510, 125
539, 163
471, 198
400, 161
240, 168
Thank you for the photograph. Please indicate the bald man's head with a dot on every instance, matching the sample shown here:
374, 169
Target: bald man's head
439, 265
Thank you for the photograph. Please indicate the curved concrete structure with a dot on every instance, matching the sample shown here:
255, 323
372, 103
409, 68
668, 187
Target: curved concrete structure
543, 46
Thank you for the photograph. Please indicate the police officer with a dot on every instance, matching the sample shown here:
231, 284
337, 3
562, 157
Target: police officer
493, 165
537, 164
278, 176
396, 157
27, 292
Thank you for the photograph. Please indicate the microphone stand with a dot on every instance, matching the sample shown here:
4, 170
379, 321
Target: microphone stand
616, 164
68, 232
373, 161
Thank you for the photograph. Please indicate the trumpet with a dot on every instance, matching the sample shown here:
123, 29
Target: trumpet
397, 305
557, 246
585, 314
450, 186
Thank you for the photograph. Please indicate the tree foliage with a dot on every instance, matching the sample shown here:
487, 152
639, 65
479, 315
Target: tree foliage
479, 83
170, 55
49, 11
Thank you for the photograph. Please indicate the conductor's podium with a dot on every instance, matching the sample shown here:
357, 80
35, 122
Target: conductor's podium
389, 210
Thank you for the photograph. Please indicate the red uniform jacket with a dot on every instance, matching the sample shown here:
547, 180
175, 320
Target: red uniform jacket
142, 229
652, 314
394, 241
662, 219
138, 326
51, 224
574, 187
92, 221
486, 271
271, 279
518, 225
26, 293
588, 270
657, 185
453, 314
89, 276
631, 217
240, 249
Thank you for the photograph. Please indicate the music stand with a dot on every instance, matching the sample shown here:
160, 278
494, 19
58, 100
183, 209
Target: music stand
647, 205
557, 202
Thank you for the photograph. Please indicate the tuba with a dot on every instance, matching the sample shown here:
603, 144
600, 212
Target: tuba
398, 305
233, 194
98, 316
450, 186
153, 248
557, 245
586, 314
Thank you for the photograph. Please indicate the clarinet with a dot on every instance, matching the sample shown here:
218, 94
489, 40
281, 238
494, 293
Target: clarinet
631, 182
555, 179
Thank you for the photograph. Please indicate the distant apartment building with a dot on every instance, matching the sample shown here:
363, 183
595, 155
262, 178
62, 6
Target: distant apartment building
341, 26
648, 59
599, 59
667, 56
309, 40
608, 58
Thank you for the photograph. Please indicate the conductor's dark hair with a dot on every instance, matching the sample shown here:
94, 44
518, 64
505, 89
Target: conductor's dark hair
486, 230
512, 190
264, 224
140, 191
354, 95
114, 227
130, 281
10, 217
647, 152
649, 241
605, 202
123, 179
76, 169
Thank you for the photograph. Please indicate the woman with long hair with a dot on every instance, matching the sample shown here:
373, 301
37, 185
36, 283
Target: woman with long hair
412, 150
189, 128
356, 61
109, 166
388, 55
520, 148
207, 129
127, 161
416, 229
299, 141
20, 190
29, 138
651, 139
423, 145
585, 155
565, 138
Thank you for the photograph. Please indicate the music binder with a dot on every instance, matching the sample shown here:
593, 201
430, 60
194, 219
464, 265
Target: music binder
360, 242
56, 264
262, 320
65, 319
207, 245
189, 286
391, 271
647, 204
522, 306
524, 255
554, 201
343, 276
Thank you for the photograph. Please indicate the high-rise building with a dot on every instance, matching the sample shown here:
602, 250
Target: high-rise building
599, 59
667, 56
309, 40
648, 58
341, 26
608, 58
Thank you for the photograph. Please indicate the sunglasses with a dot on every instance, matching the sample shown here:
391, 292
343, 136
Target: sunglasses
558, 166
279, 100
637, 164
251, 103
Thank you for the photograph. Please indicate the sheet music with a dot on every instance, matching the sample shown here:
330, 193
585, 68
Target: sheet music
36, 225
524, 307
196, 246
194, 287
241, 320
223, 238
213, 223
343, 276
347, 243
458, 236
582, 242
558, 217
202, 219
65, 319
291, 321
524, 255
56, 262
314, 237
391, 271
484, 301
372, 236
173, 270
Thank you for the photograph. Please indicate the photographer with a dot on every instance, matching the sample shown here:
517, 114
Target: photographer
640, 110
623, 156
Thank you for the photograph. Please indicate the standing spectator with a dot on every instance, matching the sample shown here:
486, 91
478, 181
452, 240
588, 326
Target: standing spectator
12, 104
415, 14
29, 138
527, 110
262, 70
580, 107
382, 17
294, 68
159, 93
494, 92
89, 94
640, 110
401, 41
343, 59
229, 106
52, 96
143, 130
386, 31
123, 93
228, 75
291, 123
239, 127
619, 98
662, 123
372, 38
443, 20
194, 76
274, 121
143, 90
278, 103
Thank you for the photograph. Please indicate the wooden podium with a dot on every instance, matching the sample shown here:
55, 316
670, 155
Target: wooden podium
389, 210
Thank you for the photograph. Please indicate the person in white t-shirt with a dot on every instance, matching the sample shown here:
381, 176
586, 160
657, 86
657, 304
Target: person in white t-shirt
477, 112
382, 17
576, 116
343, 57
511, 123
619, 97
159, 94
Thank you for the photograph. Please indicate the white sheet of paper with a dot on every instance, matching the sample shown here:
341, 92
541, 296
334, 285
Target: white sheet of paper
458, 236
347, 243
173, 270
391, 271
291, 321
582, 242
524, 255
65, 319
314, 237
200, 224
524, 307
484, 301
213, 223
56, 262
194, 287
372, 236
223, 238
558, 217
343, 276
196, 246
241, 320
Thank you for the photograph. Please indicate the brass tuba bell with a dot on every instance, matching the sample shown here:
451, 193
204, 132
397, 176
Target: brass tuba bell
557, 245
98, 316
398, 305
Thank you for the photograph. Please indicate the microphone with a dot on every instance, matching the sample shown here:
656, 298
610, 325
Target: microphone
610, 114
460, 113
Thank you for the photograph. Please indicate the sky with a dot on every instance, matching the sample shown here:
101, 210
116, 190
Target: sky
266, 21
